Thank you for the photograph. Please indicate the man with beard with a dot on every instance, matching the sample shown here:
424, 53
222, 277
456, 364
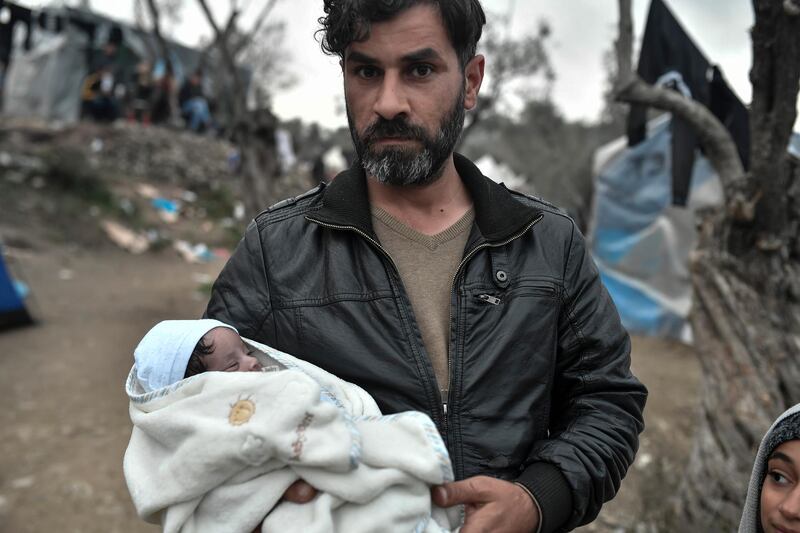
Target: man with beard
435, 289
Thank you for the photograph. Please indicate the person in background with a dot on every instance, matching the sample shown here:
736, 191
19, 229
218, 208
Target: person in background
773, 495
194, 104
103, 88
141, 102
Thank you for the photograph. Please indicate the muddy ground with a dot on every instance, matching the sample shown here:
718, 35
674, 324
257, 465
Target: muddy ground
64, 417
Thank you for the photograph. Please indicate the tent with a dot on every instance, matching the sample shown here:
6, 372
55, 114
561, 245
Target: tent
46, 81
49, 61
12, 307
640, 241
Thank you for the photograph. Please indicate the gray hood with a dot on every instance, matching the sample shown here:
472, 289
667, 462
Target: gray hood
750, 514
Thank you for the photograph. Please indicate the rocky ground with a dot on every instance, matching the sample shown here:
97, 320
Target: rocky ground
65, 423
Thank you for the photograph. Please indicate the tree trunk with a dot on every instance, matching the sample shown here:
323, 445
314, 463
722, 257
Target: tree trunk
260, 165
746, 277
252, 134
745, 272
747, 325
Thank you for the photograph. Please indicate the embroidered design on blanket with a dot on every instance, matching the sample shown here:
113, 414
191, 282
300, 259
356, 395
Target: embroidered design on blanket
241, 412
300, 439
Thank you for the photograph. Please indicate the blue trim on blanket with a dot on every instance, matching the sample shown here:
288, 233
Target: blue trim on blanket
325, 396
143, 397
431, 432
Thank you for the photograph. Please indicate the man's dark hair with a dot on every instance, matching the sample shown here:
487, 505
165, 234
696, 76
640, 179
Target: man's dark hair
348, 21
196, 365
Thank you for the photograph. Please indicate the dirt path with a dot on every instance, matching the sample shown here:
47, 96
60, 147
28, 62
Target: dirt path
65, 422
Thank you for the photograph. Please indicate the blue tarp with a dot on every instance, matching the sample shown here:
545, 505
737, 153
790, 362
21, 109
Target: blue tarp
640, 241
12, 307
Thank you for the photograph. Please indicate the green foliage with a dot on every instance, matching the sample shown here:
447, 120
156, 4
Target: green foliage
514, 67
217, 200
67, 170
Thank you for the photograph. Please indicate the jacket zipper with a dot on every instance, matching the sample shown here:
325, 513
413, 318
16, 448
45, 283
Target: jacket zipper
381, 249
466, 259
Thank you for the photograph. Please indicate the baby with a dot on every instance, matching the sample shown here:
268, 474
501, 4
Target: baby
178, 349
223, 425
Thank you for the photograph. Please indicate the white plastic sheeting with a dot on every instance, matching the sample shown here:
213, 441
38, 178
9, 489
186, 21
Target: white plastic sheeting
642, 243
46, 81
501, 173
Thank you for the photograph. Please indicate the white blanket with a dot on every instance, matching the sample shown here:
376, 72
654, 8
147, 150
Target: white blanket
215, 452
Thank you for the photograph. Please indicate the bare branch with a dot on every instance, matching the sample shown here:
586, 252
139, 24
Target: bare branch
139, 18
262, 17
717, 141
245, 40
624, 44
155, 17
210, 18
223, 45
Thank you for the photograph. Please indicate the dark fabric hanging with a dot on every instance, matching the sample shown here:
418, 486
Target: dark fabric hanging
666, 48
727, 107
19, 14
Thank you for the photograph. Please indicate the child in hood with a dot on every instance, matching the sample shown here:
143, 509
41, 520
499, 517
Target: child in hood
773, 496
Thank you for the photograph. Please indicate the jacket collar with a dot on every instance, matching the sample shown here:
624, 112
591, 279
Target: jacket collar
498, 215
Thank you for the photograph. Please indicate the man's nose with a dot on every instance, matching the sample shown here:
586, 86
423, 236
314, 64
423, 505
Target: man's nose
392, 100
790, 505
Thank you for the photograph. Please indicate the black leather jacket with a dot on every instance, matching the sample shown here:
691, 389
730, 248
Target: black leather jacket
540, 385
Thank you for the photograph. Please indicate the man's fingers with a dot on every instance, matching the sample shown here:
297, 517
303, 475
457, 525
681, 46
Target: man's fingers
461, 492
299, 492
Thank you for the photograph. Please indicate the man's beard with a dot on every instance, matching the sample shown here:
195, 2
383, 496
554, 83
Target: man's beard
407, 166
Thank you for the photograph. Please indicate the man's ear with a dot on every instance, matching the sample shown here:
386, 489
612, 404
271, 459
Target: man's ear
473, 76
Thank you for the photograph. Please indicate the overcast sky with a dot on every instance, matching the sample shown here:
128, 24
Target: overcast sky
583, 30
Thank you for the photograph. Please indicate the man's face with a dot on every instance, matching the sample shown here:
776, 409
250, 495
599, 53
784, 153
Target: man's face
406, 96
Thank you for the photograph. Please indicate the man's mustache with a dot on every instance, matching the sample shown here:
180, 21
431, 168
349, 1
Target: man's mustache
398, 128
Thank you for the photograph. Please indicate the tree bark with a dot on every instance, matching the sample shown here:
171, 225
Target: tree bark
745, 273
155, 16
253, 132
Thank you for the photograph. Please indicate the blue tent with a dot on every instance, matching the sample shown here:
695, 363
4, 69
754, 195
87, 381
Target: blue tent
12, 308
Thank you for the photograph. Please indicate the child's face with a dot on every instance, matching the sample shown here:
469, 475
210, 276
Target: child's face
230, 353
780, 494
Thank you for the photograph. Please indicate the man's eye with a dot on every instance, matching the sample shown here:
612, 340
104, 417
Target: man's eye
422, 71
232, 367
367, 72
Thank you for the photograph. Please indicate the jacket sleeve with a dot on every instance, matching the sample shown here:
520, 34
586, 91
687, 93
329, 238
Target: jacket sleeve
240, 296
597, 403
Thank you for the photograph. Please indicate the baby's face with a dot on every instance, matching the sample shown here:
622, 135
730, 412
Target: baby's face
230, 353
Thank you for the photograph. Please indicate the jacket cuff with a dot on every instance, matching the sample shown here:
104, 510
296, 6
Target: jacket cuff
538, 509
552, 493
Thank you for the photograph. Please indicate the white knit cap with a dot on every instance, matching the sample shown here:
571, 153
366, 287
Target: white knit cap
162, 355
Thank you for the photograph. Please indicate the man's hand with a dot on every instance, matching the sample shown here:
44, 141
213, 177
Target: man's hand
300, 492
491, 505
